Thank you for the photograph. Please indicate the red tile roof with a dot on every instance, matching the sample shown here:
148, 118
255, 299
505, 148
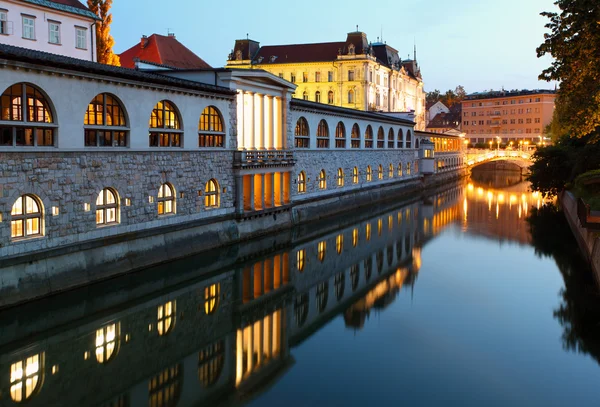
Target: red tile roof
162, 50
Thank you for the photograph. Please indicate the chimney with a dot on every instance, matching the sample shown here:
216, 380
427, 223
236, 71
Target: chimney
144, 41
172, 35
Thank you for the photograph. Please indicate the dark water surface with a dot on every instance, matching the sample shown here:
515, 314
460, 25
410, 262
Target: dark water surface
474, 296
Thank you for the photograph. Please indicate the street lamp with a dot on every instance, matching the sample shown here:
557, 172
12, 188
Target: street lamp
491, 144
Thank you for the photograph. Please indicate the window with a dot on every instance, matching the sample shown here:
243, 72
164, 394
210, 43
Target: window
355, 136
106, 342
211, 132
104, 122
350, 77
26, 377
293, 77
340, 177
322, 135
318, 97
408, 139
165, 318
380, 172
354, 237
340, 135
369, 174
26, 217
317, 76
391, 138
4, 22
321, 250
107, 207
165, 126
302, 182
166, 200
305, 95
380, 138
210, 363
301, 309
80, 38
339, 282
391, 171
407, 168
330, 76
53, 32
304, 76
369, 137
355, 175
354, 277
211, 298
300, 259
322, 180
400, 139
339, 243
350, 96
29, 27
322, 292
32, 121
164, 389
368, 265
368, 231
330, 97
302, 133
211, 194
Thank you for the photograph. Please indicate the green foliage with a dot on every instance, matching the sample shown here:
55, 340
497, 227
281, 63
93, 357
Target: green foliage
587, 187
450, 98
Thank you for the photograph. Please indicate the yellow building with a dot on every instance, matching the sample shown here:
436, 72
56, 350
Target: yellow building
353, 73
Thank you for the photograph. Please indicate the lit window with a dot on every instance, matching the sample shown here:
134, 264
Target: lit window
165, 388
340, 136
166, 316
369, 174
302, 182
339, 282
26, 377
340, 177
54, 32
400, 169
354, 237
355, 175
107, 207
106, 342
166, 200
31, 119
368, 231
322, 293
165, 126
211, 196
391, 171
300, 259
26, 217
322, 135
211, 298
407, 168
302, 135
210, 363
104, 123
322, 180
321, 250
28, 27
211, 132
369, 137
380, 172
81, 38
379, 226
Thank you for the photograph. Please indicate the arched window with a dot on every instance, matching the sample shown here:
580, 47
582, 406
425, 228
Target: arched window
165, 125
165, 388
30, 116
107, 341
211, 132
211, 298
368, 231
408, 139
27, 217
302, 134
368, 264
340, 135
302, 182
380, 172
211, 196
318, 97
26, 377
379, 257
166, 199
340, 177
339, 282
369, 174
210, 363
301, 309
355, 175
300, 259
369, 137
330, 99
339, 243
400, 139
390, 255
104, 122
350, 96
322, 293
322, 180
107, 207
407, 168
354, 276
322, 135
355, 136
391, 171
354, 237
380, 138
321, 250
165, 318
416, 142
400, 169
305, 95
391, 138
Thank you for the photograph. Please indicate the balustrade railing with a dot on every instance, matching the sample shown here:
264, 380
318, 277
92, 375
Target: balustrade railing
261, 157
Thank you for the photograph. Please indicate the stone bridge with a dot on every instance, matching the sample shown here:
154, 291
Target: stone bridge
475, 158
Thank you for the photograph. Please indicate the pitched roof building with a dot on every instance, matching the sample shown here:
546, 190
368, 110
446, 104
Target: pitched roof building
160, 50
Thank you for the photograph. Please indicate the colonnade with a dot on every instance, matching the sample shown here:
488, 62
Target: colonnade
260, 121
263, 190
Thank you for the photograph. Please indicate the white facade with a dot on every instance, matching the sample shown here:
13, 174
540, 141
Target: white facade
436, 109
46, 29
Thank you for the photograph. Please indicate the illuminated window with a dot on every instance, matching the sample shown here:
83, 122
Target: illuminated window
26, 217
354, 276
340, 177
106, 342
322, 180
368, 263
211, 132
300, 259
391, 171
165, 388
301, 309
322, 293
166, 199
339, 243
369, 174
302, 182
104, 122
210, 363
26, 377
379, 226
165, 127
165, 318
107, 207
321, 250
211, 298
400, 169
302, 134
390, 143
380, 138
369, 137
368, 231
318, 96
408, 139
380, 172
400, 139
28, 116
407, 168
355, 175
330, 99
355, 136
212, 197
354, 237
322, 135
340, 135
339, 282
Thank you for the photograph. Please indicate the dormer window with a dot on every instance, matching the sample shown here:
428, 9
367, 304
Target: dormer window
351, 49
272, 58
238, 55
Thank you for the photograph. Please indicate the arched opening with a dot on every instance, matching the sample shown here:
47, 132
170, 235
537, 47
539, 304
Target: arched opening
27, 217
355, 136
165, 125
322, 135
105, 123
107, 207
212, 197
211, 132
166, 199
340, 135
301, 134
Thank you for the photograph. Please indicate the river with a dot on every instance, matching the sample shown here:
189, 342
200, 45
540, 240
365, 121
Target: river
475, 295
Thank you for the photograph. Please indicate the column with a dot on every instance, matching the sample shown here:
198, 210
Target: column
249, 121
258, 121
280, 118
272, 133
241, 130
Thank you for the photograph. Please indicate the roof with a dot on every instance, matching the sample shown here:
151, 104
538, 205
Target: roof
446, 120
162, 50
290, 54
69, 6
506, 94
19, 54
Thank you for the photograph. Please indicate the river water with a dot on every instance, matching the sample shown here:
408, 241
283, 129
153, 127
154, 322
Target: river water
475, 295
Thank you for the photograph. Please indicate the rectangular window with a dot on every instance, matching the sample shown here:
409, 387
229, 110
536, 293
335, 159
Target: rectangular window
317, 76
538, 120
293, 78
304, 76
53, 32
80, 38
3, 22
281, 75
29, 27
350, 75
330, 76
528, 121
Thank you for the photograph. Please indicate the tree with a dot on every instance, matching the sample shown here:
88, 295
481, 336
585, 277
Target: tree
450, 98
574, 41
432, 97
104, 41
460, 92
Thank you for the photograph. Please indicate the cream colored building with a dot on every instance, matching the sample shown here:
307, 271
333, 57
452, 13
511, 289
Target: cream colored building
353, 73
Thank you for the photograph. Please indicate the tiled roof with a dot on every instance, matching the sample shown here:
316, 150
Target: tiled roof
70, 6
290, 54
162, 50
445, 121
13, 53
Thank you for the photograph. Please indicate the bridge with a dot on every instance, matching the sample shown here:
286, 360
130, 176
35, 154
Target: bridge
476, 157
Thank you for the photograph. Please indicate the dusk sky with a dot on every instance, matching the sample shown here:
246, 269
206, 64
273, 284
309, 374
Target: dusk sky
480, 44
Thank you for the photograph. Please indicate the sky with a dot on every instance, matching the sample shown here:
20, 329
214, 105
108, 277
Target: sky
479, 44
